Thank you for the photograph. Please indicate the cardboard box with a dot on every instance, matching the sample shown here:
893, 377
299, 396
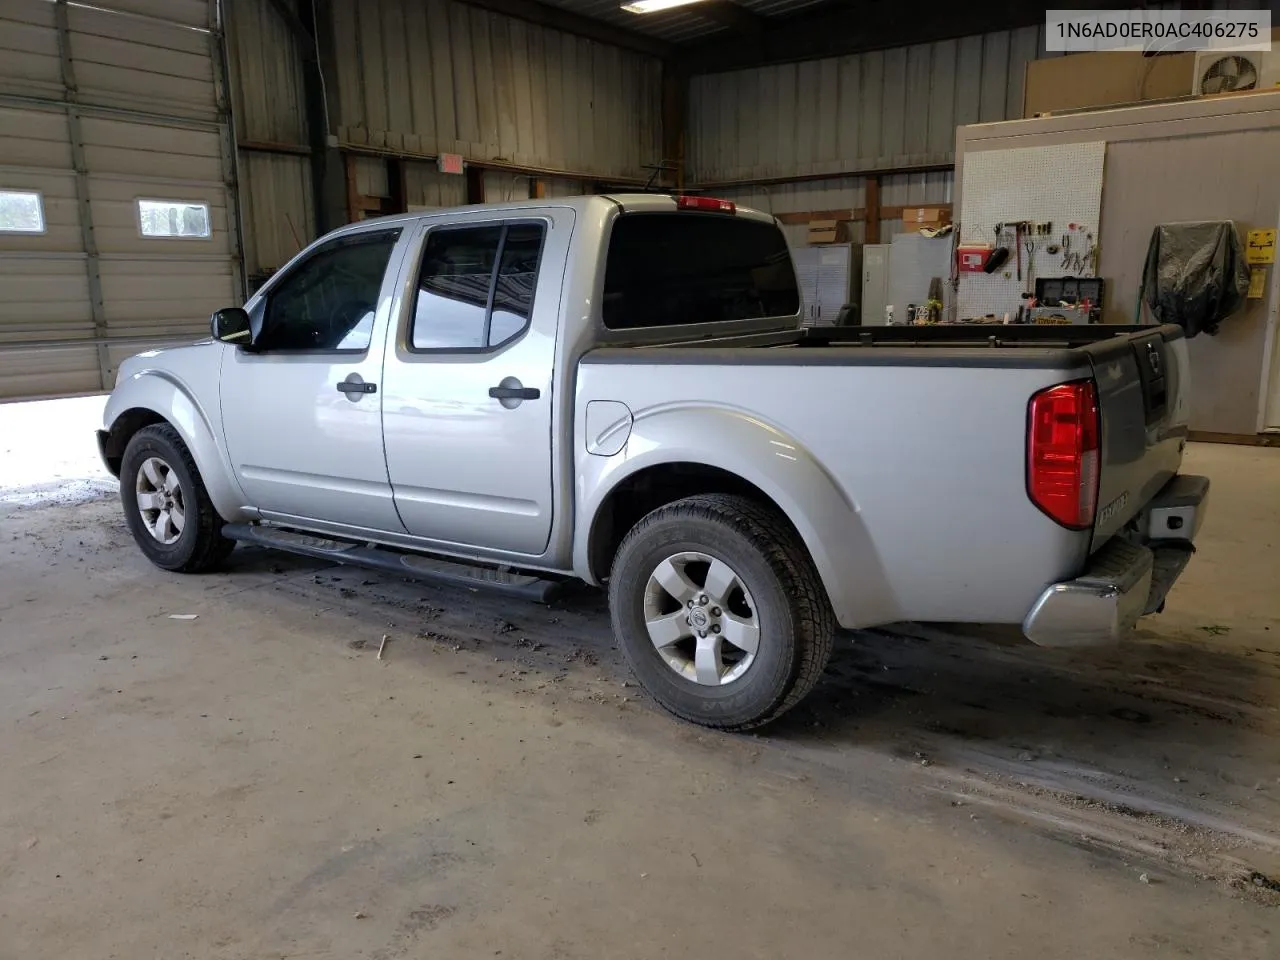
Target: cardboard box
828, 231
916, 217
1082, 80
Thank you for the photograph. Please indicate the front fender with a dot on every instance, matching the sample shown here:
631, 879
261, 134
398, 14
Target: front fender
164, 393
822, 511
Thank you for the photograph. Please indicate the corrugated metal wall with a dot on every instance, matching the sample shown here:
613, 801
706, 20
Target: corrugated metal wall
884, 109
429, 76
268, 100
880, 110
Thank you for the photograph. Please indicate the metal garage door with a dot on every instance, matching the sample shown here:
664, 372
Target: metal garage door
117, 218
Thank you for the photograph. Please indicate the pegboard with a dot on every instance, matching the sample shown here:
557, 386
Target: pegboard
1056, 184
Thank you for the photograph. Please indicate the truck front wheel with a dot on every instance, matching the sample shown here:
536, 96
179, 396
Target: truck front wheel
720, 612
166, 506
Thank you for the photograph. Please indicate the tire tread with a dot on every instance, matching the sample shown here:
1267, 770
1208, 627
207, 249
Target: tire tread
768, 532
211, 548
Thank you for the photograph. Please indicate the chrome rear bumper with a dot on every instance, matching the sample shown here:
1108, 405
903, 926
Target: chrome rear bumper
1125, 580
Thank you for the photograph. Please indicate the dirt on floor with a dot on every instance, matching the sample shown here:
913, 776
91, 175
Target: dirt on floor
221, 767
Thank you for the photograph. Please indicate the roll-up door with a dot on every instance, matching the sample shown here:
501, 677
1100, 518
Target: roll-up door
118, 225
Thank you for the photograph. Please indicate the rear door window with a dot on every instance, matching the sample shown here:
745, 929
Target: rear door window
668, 269
463, 302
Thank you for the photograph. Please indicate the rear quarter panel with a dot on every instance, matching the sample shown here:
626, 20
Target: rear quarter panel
929, 517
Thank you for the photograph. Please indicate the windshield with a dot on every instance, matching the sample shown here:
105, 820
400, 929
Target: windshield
667, 269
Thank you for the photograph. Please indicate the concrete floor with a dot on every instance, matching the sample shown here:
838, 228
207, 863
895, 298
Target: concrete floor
254, 783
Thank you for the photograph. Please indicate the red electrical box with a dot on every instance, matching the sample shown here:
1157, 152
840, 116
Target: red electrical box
973, 257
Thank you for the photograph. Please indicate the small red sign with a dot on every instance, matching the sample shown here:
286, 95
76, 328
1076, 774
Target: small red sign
450, 163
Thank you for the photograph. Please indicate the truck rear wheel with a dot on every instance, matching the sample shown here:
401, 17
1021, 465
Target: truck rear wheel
166, 506
720, 612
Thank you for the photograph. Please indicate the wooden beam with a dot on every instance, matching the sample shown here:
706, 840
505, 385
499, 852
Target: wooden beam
814, 177
675, 113
855, 214
398, 186
359, 205
265, 146
475, 184
871, 229
794, 219
894, 212
537, 188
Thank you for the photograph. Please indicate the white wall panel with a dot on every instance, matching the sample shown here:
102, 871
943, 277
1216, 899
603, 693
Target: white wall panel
429, 76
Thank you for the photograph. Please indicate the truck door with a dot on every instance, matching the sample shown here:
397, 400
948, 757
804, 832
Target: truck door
467, 407
301, 411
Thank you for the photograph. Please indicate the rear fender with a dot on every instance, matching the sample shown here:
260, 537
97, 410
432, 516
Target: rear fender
166, 395
825, 515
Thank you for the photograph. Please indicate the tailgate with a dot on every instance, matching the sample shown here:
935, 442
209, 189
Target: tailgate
1142, 381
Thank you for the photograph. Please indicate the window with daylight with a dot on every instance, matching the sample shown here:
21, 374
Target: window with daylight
174, 219
475, 289
21, 211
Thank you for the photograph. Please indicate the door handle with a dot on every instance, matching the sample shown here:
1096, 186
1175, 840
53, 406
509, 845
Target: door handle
353, 385
515, 393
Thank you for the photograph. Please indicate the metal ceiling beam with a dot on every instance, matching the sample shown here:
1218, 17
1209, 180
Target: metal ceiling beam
845, 27
726, 13
554, 18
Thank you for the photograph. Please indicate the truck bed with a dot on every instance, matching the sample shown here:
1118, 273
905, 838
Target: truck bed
928, 450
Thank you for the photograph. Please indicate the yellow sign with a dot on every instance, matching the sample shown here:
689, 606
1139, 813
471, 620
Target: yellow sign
1257, 283
1261, 247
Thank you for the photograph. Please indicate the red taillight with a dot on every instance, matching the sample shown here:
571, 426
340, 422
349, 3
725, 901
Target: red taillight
706, 203
1062, 453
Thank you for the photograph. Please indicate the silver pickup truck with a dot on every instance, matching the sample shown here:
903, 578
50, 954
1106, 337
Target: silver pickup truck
618, 389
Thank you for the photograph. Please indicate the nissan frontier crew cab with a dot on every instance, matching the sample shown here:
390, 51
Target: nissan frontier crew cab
619, 389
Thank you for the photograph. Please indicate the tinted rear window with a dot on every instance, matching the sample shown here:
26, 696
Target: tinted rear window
665, 269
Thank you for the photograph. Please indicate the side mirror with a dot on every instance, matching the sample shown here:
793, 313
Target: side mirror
231, 325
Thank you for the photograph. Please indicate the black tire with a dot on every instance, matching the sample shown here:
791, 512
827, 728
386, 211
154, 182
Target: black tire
200, 545
796, 624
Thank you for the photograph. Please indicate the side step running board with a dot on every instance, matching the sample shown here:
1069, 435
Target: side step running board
494, 580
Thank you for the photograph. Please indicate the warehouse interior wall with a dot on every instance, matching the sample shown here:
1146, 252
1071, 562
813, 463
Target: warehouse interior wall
1204, 159
406, 80
822, 124
422, 77
274, 159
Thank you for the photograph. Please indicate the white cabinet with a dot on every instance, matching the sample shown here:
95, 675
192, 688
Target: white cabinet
826, 274
875, 283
